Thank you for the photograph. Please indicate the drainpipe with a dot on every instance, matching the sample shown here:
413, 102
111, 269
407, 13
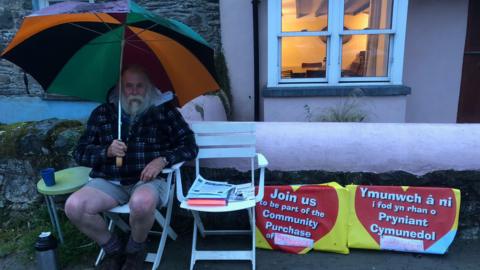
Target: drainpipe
256, 76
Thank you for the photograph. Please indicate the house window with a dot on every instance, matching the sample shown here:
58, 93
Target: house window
335, 42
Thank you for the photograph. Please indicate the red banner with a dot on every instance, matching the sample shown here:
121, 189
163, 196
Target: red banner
295, 218
418, 219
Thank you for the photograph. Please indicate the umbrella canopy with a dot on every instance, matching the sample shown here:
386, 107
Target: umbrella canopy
78, 49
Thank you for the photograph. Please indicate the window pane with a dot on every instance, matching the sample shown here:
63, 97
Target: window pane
368, 14
365, 56
303, 57
304, 15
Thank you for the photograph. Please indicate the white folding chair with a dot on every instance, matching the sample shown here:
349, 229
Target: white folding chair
221, 140
114, 219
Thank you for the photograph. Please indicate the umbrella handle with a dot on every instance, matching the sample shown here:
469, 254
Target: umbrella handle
119, 161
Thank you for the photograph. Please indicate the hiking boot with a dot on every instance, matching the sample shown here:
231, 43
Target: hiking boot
134, 261
112, 262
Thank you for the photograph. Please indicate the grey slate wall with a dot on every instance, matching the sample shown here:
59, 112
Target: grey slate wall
202, 15
11, 16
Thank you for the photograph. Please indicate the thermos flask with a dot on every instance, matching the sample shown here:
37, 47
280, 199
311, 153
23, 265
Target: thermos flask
46, 252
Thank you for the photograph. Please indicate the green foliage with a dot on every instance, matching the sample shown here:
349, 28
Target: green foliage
62, 126
349, 109
346, 112
77, 247
9, 136
308, 113
58, 156
200, 110
14, 140
18, 235
8, 239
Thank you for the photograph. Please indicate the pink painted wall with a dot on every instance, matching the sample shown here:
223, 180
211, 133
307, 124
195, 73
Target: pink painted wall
366, 147
433, 57
434, 48
237, 40
374, 109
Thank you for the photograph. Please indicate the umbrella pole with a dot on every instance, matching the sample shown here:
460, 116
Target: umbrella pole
119, 160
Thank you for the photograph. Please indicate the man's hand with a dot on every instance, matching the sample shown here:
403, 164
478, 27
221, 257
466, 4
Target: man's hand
117, 149
153, 169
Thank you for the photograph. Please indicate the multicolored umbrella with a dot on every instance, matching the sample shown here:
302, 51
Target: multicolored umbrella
78, 49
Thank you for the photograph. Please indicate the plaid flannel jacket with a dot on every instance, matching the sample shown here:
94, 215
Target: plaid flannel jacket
160, 131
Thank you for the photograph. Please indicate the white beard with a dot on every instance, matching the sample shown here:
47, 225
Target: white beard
134, 105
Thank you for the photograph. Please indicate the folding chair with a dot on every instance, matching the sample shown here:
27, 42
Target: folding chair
114, 219
221, 140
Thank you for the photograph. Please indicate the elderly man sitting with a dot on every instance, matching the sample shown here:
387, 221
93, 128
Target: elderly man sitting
152, 138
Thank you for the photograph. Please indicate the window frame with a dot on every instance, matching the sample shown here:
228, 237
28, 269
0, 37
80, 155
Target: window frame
334, 35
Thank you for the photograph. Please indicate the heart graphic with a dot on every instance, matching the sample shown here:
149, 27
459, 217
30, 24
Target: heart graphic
375, 207
291, 217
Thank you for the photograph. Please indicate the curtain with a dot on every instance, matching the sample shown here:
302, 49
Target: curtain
304, 7
311, 7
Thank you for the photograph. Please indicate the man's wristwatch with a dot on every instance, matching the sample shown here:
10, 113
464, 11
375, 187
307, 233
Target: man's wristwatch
164, 159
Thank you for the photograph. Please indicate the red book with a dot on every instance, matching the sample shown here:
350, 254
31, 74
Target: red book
207, 202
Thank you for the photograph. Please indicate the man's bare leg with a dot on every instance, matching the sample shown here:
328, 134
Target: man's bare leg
83, 208
142, 206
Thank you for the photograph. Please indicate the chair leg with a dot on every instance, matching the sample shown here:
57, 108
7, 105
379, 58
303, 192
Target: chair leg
251, 213
52, 211
198, 222
102, 252
166, 230
161, 220
193, 257
119, 222
248, 255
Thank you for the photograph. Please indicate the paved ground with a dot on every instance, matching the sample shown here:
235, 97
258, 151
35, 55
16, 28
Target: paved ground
463, 255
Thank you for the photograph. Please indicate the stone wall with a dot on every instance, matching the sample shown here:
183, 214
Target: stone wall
25, 148
11, 77
201, 15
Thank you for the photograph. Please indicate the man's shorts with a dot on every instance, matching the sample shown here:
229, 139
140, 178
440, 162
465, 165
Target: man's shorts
122, 193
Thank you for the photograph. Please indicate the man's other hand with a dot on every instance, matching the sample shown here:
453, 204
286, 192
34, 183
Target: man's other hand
117, 149
153, 169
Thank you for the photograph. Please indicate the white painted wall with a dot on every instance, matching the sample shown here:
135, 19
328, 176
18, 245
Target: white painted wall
204, 108
367, 147
237, 39
377, 109
433, 59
